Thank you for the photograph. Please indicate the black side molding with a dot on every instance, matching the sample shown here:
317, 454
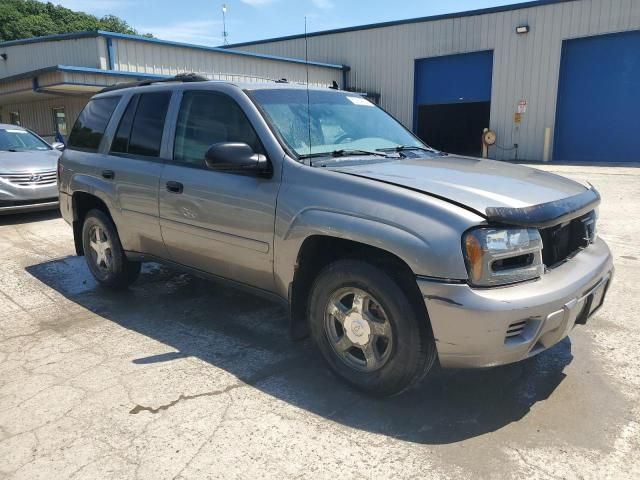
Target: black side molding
546, 214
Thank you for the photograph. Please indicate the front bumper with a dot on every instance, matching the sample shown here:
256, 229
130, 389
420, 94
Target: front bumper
494, 326
29, 207
14, 198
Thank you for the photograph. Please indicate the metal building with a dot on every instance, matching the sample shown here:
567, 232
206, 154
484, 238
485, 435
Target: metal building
45, 82
558, 78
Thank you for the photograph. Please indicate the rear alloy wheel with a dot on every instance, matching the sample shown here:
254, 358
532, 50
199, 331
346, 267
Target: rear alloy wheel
369, 328
104, 254
101, 251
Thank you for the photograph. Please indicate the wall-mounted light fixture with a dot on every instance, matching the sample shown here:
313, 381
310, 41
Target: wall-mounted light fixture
3, 56
522, 29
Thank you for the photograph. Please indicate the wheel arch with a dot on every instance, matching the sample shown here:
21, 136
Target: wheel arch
319, 250
83, 201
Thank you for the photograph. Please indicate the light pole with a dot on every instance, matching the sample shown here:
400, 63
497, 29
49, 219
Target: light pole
225, 34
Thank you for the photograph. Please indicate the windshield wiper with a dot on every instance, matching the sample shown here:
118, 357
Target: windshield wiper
343, 153
402, 148
346, 153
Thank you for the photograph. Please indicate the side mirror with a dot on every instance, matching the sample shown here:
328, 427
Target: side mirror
235, 157
58, 146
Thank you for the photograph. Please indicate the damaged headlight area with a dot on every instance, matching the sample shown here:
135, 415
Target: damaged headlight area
500, 256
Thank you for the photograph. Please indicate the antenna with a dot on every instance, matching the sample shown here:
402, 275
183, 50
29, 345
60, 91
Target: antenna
306, 61
225, 34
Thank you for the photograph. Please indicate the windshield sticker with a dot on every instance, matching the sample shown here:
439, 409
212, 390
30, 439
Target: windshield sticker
360, 101
16, 131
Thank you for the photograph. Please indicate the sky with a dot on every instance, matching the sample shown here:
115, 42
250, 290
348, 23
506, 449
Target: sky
200, 21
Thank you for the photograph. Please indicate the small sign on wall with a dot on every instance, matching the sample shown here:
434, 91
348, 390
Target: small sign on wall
522, 106
517, 118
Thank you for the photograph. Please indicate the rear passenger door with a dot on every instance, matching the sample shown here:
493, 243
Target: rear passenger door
218, 222
135, 167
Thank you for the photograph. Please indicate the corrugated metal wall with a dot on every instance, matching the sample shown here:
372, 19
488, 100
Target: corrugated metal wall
526, 67
38, 116
33, 56
155, 58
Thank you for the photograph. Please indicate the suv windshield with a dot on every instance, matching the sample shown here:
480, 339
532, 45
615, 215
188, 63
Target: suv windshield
17, 140
331, 122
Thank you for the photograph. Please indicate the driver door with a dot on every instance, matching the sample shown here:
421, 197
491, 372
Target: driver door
218, 222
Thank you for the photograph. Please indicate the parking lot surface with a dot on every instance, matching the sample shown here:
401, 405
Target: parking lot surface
183, 378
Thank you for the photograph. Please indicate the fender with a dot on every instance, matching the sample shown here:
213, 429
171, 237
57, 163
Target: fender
95, 187
409, 246
101, 189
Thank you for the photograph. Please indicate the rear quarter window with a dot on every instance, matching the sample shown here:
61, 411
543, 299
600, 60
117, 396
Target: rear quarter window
91, 124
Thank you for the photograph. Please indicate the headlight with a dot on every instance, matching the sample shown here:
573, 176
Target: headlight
499, 256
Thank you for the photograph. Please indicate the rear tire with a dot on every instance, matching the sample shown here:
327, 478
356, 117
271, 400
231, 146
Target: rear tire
104, 254
368, 329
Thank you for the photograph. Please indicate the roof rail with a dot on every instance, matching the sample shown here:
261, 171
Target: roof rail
181, 77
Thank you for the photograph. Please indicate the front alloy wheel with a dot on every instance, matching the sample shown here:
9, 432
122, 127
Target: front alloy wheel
370, 327
358, 329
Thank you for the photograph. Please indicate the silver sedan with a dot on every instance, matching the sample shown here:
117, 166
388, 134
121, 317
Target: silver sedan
28, 177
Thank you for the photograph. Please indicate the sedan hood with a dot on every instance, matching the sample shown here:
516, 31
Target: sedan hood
475, 183
29, 162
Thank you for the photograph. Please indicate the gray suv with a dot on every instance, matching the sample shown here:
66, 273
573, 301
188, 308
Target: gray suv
391, 255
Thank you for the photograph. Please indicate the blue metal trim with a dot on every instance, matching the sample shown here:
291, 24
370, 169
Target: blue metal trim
74, 69
110, 58
414, 127
30, 74
345, 70
117, 73
137, 38
50, 38
432, 18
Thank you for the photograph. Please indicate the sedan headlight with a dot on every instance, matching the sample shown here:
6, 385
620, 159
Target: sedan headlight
499, 256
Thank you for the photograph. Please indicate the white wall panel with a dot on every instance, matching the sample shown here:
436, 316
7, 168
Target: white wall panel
155, 58
33, 56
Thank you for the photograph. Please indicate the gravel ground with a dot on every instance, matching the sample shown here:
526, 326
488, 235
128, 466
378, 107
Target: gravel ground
181, 378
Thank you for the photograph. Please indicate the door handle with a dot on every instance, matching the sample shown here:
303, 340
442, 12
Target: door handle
108, 174
175, 187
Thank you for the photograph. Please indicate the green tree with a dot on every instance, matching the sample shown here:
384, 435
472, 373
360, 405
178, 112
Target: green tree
31, 18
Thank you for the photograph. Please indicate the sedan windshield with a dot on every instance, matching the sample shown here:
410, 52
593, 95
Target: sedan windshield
18, 140
332, 123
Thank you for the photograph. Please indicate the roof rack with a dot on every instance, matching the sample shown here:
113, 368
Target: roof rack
181, 77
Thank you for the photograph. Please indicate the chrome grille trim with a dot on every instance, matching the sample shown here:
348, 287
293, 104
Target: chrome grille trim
30, 179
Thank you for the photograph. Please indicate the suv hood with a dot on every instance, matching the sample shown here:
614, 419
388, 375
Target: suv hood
29, 162
475, 183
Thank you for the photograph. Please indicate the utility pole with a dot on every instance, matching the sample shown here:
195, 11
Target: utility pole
225, 34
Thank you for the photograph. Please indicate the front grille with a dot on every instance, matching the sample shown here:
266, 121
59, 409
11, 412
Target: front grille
30, 179
563, 241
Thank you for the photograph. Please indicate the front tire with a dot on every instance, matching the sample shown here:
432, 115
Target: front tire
368, 328
104, 254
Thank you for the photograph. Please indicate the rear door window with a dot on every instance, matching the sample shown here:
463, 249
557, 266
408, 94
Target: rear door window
141, 125
91, 124
121, 140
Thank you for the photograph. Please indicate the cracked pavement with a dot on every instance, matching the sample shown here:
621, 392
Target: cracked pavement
180, 378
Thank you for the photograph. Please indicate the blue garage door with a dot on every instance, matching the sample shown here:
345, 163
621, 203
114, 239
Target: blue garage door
453, 100
598, 112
